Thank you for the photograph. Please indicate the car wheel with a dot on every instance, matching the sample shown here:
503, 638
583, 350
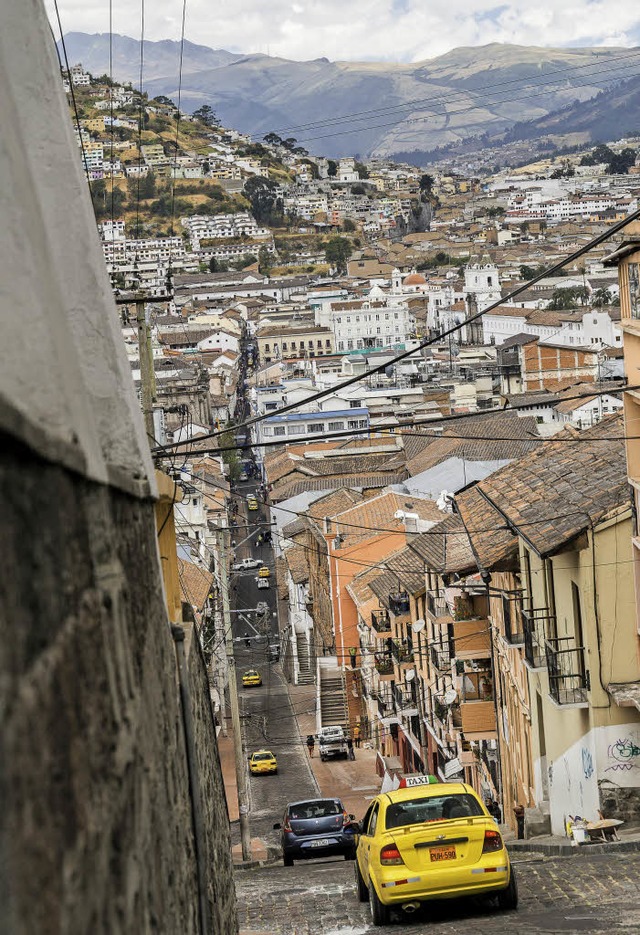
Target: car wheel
288, 861
380, 914
508, 898
361, 887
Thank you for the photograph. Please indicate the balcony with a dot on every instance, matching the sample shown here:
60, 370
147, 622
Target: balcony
568, 677
384, 666
440, 655
477, 686
535, 623
405, 701
472, 639
399, 604
512, 617
478, 720
437, 607
402, 652
385, 704
380, 621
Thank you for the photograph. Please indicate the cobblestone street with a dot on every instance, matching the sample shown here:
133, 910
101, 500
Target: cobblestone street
565, 895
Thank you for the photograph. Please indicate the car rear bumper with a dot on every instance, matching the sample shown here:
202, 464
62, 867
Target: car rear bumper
408, 885
307, 850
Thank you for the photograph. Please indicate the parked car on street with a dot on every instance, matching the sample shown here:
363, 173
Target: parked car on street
433, 841
332, 742
316, 828
262, 761
251, 677
263, 583
264, 572
245, 564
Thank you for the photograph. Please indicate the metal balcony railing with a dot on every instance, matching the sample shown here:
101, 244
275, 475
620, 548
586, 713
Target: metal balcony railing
399, 603
385, 704
380, 621
401, 651
440, 656
437, 605
404, 698
568, 677
535, 623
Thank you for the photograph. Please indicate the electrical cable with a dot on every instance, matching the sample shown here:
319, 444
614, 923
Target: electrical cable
140, 120
375, 112
71, 87
175, 157
549, 271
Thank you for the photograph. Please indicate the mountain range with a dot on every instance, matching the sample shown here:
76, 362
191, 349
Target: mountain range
378, 109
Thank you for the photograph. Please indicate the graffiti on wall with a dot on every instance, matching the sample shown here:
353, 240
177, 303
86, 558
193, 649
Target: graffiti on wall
624, 754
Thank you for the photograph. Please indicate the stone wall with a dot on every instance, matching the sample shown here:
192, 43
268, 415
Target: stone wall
97, 832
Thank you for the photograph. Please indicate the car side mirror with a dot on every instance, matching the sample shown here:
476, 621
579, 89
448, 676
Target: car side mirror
355, 825
277, 826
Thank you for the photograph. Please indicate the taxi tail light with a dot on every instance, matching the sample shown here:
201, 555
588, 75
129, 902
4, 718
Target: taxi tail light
492, 842
345, 818
390, 855
286, 824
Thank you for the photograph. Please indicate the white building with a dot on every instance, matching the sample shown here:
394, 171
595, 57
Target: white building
375, 322
589, 327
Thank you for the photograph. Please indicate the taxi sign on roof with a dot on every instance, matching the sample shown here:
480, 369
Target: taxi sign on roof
408, 781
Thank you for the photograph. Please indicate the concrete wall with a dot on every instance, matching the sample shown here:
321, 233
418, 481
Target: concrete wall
97, 831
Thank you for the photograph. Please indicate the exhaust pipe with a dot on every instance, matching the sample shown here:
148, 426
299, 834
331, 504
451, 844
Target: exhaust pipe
410, 907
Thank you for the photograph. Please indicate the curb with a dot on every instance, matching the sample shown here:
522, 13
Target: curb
256, 864
571, 850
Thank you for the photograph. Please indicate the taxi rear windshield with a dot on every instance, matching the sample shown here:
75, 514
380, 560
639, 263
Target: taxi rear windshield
434, 808
263, 756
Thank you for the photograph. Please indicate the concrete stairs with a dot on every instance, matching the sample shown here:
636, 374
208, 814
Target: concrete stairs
333, 701
305, 671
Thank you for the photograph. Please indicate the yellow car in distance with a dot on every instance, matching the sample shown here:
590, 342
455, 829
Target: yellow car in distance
251, 677
431, 841
262, 761
263, 572
252, 503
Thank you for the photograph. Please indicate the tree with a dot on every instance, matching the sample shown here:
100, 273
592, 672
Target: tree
107, 201
348, 226
622, 162
206, 115
266, 203
426, 184
568, 297
272, 139
163, 99
601, 297
337, 251
332, 168
264, 261
362, 170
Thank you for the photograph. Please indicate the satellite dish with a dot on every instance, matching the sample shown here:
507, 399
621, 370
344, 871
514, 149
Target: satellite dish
450, 696
417, 625
409, 675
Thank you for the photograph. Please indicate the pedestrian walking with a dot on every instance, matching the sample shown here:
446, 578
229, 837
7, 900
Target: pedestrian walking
311, 742
356, 735
352, 755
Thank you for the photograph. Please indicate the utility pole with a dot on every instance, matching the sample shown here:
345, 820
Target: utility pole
221, 547
147, 376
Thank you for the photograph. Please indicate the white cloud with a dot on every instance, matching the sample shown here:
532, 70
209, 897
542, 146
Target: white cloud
388, 30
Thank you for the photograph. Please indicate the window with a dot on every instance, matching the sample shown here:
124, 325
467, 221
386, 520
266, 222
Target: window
489, 280
327, 343
296, 430
318, 343
355, 403
349, 345
378, 331
267, 348
301, 345
280, 430
353, 424
359, 343
269, 406
362, 423
348, 319
284, 345
377, 318
314, 427
293, 345
340, 345
335, 426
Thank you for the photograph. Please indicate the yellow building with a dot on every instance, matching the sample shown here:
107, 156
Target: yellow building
568, 504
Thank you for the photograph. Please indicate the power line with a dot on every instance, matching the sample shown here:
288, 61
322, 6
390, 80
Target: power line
445, 98
71, 89
549, 271
140, 119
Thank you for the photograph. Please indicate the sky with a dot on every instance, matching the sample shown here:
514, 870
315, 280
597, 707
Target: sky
362, 30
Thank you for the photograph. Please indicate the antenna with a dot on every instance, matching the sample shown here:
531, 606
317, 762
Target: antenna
417, 625
450, 696
409, 675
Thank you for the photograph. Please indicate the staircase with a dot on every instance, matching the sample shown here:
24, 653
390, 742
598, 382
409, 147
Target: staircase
333, 702
305, 672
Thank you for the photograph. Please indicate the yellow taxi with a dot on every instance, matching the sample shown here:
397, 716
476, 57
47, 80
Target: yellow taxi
251, 677
430, 841
262, 761
252, 503
263, 572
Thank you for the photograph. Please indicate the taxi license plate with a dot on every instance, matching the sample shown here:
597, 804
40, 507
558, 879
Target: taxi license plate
442, 853
322, 842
